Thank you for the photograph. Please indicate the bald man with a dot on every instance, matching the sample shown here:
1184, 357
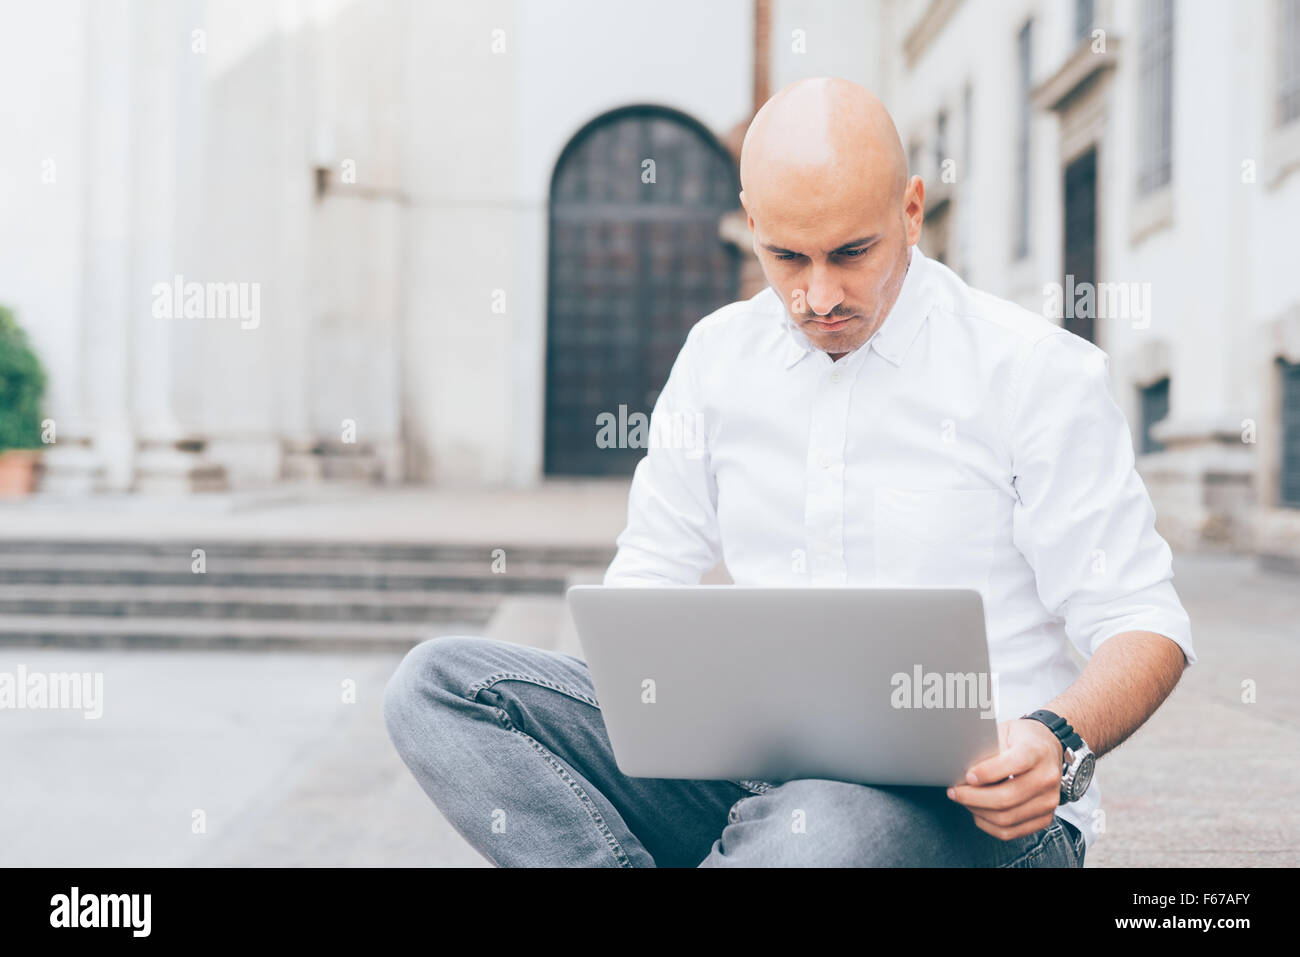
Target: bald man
822, 159
868, 419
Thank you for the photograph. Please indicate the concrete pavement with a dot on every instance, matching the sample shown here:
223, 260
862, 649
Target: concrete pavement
287, 774
561, 512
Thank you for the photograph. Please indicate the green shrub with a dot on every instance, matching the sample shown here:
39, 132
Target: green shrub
22, 384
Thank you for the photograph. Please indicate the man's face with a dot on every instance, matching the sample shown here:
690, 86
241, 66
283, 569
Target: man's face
837, 257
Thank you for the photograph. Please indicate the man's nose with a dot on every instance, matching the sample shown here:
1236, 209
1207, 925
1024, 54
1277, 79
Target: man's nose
824, 293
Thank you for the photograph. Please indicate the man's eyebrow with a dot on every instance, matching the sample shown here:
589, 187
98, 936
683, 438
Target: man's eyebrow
849, 245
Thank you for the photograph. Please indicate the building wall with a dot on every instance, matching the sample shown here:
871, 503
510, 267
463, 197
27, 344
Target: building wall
377, 292
1212, 251
479, 164
43, 267
375, 295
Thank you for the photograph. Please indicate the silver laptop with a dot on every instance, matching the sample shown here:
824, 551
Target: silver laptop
869, 685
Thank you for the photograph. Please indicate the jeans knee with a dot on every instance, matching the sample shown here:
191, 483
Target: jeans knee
790, 825
429, 671
821, 823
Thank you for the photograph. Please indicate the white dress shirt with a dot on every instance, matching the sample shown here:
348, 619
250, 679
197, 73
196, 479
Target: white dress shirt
969, 443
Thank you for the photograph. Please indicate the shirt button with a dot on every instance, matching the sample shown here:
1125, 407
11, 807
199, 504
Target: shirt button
826, 462
835, 376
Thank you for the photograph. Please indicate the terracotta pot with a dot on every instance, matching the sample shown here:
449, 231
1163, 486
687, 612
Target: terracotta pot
18, 472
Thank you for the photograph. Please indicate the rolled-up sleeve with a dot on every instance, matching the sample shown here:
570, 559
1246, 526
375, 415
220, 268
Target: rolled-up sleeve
671, 535
1083, 519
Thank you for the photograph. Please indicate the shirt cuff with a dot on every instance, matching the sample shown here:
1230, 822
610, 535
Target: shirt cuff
1155, 609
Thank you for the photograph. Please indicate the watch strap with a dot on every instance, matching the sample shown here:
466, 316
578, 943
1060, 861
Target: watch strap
1069, 739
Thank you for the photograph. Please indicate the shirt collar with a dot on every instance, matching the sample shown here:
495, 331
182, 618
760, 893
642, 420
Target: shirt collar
896, 333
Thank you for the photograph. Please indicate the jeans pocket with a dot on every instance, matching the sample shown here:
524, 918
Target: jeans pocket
1078, 843
733, 814
752, 790
1052, 849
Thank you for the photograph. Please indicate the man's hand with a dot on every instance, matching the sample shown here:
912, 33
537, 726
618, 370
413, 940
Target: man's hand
1017, 791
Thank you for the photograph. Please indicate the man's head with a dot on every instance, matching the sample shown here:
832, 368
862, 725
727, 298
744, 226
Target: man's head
833, 213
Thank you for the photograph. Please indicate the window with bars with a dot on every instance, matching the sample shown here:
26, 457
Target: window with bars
1155, 406
1289, 475
1083, 14
967, 125
1288, 81
1024, 49
631, 268
1155, 95
940, 141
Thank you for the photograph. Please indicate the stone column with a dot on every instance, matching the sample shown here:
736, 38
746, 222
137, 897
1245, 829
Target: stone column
167, 78
105, 316
307, 80
69, 464
1203, 482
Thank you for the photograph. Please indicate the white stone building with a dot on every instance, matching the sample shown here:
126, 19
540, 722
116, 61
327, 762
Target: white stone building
437, 220
1161, 141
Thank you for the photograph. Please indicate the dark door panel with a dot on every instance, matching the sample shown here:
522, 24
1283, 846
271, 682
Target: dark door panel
633, 266
1080, 239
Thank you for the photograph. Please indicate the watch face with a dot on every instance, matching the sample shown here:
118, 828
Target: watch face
1084, 776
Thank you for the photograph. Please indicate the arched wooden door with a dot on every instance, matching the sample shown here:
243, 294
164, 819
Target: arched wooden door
633, 265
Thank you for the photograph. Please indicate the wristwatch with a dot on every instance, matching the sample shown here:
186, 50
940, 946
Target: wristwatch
1078, 760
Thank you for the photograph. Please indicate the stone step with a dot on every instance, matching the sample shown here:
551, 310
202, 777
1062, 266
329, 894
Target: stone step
83, 631
206, 601
337, 550
257, 594
302, 573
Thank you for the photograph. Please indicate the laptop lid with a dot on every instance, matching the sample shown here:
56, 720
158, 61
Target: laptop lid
870, 685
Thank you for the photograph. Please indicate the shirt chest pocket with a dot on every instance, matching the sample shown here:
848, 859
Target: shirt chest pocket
936, 538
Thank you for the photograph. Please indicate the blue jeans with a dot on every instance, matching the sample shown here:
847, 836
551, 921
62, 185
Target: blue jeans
509, 743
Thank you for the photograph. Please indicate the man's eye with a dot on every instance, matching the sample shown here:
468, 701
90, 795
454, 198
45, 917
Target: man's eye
849, 253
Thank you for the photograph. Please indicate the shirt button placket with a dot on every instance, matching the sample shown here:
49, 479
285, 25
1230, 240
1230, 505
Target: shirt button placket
824, 508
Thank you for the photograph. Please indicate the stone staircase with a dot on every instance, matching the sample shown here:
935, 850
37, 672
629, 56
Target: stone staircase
342, 596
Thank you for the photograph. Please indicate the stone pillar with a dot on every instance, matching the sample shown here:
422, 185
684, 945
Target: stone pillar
1276, 526
308, 78
1202, 483
68, 462
79, 463
167, 101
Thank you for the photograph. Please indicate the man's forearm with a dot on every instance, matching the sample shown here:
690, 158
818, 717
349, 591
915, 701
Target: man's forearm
1124, 682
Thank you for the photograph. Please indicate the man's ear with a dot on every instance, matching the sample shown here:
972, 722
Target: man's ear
748, 218
914, 209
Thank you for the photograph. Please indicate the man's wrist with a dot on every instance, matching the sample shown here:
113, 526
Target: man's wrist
1060, 745
1077, 774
